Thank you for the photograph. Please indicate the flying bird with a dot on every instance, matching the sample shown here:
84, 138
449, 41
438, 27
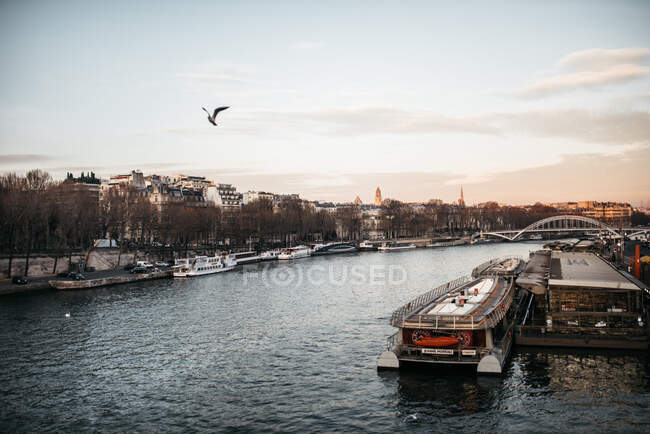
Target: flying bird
213, 117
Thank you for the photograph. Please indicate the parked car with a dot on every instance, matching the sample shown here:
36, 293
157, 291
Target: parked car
63, 274
129, 267
76, 276
19, 280
138, 270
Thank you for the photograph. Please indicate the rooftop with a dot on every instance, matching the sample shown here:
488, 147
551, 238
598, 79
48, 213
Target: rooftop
577, 269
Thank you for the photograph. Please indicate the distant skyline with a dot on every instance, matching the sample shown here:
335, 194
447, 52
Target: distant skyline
517, 101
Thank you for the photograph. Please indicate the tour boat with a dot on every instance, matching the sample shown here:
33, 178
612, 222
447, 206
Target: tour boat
249, 257
202, 265
465, 322
270, 255
333, 248
295, 253
392, 247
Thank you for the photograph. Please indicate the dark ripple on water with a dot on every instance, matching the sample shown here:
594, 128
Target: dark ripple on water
234, 352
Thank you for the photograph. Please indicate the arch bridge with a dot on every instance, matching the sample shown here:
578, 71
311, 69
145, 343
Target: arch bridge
560, 223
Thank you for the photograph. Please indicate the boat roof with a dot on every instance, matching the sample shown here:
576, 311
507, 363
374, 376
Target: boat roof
585, 270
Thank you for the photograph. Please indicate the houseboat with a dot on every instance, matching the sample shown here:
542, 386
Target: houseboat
467, 322
202, 265
395, 247
295, 253
333, 248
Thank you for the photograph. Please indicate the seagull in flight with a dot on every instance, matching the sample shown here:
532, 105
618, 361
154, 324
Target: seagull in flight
213, 117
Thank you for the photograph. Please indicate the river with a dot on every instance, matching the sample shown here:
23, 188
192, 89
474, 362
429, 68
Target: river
288, 347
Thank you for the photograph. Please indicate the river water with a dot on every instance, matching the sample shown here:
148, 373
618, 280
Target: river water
287, 347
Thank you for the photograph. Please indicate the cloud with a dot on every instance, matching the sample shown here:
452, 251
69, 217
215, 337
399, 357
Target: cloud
13, 159
214, 78
306, 45
601, 59
631, 127
590, 69
381, 120
612, 128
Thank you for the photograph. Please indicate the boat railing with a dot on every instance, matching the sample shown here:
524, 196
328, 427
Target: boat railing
391, 342
426, 298
480, 269
466, 322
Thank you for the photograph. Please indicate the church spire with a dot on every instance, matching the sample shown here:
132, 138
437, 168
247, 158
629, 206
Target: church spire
461, 201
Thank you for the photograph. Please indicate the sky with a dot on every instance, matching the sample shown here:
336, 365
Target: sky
517, 102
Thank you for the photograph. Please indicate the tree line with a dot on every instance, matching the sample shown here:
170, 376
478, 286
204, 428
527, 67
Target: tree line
39, 214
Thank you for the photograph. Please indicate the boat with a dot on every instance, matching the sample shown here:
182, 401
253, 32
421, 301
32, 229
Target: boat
393, 247
270, 255
295, 253
368, 246
333, 248
447, 242
249, 257
203, 265
467, 322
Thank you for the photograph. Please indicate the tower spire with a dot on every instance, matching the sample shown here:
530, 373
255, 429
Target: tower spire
461, 201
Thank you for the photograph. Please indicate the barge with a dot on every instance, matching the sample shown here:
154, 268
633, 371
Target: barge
581, 301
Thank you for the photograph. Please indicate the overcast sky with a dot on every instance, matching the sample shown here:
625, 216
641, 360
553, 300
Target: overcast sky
518, 102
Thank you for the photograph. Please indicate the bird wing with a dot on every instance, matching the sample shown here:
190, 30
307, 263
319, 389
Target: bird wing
206, 111
218, 109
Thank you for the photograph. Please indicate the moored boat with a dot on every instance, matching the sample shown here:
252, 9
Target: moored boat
203, 265
395, 247
243, 258
333, 248
270, 255
368, 246
295, 253
465, 322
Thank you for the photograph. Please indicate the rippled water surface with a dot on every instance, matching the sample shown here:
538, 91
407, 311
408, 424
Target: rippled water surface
287, 347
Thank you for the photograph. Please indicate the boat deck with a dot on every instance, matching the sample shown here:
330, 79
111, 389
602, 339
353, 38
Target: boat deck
485, 302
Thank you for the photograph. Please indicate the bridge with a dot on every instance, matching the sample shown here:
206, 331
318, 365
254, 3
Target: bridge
566, 223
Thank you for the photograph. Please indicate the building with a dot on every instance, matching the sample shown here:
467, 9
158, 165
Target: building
277, 198
134, 179
161, 194
223, 195
611, 213
191, 182
357, 200
250, 196
378, 199
461, 201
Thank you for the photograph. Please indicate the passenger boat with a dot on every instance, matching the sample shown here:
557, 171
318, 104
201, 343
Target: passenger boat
333, 248
393, 247
465, 322
249, 257
447, 242
368, 246
270, 255
295, 253
202, 265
